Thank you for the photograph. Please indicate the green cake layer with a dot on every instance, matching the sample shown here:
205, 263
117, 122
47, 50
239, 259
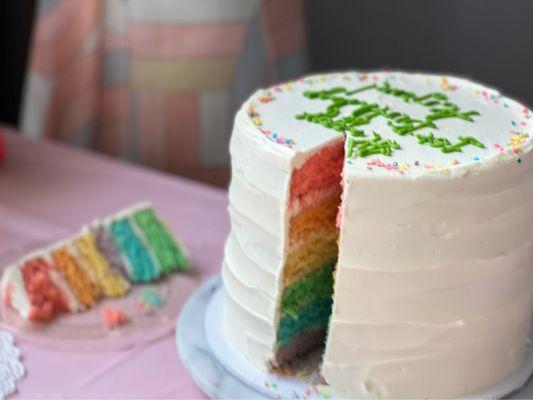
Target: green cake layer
165, 249
316, 285
130, 245
306, 304
312, 316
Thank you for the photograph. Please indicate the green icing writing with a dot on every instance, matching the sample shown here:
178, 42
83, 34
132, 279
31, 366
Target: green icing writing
314, 315
316, 285
163, 245
366, 147
358, 145
129, 244
445, 145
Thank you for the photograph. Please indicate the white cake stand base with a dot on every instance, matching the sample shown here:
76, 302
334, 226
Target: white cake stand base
223, 373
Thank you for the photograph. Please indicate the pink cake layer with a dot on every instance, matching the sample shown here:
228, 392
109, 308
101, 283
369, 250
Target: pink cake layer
45, 297
319, 173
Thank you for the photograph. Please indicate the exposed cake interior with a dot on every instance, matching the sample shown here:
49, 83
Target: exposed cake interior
307, 279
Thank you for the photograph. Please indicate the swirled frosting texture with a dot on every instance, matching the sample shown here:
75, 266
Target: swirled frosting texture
433, 293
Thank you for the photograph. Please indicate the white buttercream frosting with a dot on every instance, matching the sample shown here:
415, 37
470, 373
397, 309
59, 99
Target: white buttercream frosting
433, 294
14, 291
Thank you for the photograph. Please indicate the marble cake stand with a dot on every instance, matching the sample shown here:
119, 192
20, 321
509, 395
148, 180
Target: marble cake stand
223, 373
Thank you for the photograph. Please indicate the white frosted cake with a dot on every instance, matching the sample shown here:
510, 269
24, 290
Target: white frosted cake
386, 217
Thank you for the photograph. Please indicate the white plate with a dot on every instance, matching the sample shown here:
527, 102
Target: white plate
221, 372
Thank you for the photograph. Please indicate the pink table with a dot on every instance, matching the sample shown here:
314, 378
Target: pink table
48, 191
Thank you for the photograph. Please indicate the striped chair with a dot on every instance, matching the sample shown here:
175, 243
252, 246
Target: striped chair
156, 82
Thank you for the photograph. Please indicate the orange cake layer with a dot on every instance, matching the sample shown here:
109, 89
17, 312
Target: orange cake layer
316, 218
79, 282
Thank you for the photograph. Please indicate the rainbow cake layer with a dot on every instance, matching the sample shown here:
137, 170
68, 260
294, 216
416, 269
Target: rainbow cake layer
307, 279
134, 245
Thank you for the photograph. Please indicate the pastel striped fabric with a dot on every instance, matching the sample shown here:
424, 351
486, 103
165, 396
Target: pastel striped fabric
156, 81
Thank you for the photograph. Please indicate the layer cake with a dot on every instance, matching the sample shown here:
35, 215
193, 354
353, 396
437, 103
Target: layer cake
385, 217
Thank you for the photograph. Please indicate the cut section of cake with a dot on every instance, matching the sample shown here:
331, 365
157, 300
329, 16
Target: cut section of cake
74, 274
384, 218
307, 279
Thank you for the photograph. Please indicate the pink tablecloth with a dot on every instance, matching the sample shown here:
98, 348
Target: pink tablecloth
48, 191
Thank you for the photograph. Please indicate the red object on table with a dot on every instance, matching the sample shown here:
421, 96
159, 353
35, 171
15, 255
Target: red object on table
2, 147
53, 190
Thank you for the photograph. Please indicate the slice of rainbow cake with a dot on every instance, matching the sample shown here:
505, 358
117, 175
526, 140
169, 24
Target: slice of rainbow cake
102, 260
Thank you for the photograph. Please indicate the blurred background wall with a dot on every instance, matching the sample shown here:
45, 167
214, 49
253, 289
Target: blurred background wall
487, 40
175, 71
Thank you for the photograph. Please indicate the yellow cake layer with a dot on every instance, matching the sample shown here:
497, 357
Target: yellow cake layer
318, 217
97, 266
315, 253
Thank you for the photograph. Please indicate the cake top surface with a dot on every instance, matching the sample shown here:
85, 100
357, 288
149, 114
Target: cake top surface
394, 122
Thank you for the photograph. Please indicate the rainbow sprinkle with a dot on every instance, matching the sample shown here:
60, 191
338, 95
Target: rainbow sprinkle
516, 141
277, 138
267, 98
255, 117
445, 86
376, 162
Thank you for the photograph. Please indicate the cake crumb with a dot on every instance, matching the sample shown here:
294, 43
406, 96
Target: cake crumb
150, 298
114, 317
